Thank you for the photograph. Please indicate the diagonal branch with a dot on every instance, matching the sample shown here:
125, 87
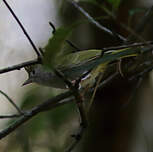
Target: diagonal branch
19, 66
68, 41
23, 29
124, 46
12, 102
91, 19
10, 116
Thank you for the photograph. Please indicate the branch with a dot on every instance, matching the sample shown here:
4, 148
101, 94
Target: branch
124, 46
51, 103
12, 102
91, 19
10, 116
22, 27
19, 66
108, 80
68, 41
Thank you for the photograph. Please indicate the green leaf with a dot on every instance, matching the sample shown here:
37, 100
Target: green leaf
53, 50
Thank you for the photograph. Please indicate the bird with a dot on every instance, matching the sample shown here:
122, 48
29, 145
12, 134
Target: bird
74, 65
71, 65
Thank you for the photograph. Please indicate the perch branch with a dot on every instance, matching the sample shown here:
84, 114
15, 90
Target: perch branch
19, 66
49, 104
10, 116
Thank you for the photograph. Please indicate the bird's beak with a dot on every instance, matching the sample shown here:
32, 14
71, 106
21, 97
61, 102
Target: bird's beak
28, 81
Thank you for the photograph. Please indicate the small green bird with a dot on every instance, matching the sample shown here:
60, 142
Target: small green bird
70, 65
74, 65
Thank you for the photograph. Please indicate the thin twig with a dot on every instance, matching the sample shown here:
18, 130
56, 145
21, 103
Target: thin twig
95, 90
108, 80
12, 102
131, 31
91, 19
10, 116
124, 46
23, 29
73, 46
68, 41
53, 27
41, 51
19, 66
